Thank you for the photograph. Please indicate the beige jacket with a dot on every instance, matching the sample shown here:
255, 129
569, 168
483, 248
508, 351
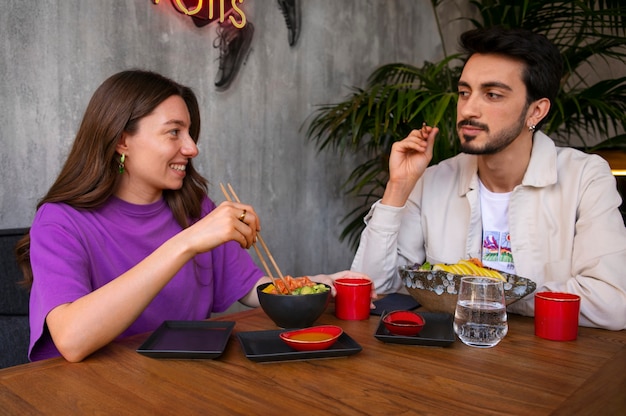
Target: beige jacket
566, 230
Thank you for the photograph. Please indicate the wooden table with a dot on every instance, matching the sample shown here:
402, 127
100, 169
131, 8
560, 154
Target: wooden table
524, 374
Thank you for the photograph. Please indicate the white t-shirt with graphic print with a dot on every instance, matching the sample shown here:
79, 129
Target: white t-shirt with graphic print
496, 249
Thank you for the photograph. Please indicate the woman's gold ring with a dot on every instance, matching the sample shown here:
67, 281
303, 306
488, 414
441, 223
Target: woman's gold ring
242, 216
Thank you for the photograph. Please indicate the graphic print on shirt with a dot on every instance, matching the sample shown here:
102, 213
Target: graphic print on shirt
497, 247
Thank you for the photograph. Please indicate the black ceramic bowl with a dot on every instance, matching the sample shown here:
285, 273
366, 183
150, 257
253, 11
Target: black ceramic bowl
293, 311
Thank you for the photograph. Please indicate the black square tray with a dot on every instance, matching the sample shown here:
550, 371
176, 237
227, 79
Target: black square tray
438, 331
188, 339
266, 346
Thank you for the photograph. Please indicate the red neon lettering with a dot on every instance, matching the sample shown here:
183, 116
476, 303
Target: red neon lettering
181, 7
241, 24
205, 10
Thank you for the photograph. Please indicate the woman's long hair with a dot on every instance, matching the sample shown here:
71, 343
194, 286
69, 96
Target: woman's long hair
90, 174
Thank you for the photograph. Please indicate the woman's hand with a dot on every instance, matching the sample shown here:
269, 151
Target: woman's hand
230, 221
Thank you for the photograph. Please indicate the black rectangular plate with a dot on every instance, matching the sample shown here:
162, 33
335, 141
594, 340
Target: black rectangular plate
438, 331
266, 346
188, 339
394, 302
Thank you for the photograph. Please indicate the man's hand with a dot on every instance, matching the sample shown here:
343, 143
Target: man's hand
408, 160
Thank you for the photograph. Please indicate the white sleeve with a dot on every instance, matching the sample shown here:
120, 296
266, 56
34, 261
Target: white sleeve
599, 252
378, 254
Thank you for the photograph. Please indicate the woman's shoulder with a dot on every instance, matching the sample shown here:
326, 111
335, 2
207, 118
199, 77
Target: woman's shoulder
60, 210
64, 215
54, 211
55, 218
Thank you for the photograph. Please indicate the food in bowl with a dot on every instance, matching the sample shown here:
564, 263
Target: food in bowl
311, 339
298, 286
471, 267
437, 290
405, 323
293, 311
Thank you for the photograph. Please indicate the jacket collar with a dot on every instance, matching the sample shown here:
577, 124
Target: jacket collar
542, 168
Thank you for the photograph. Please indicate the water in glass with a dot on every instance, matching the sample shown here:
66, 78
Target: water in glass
480, 318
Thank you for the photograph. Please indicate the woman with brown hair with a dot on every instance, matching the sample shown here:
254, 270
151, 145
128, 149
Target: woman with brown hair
127, 237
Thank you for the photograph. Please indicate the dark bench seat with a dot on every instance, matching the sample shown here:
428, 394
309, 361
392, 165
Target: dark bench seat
14, 330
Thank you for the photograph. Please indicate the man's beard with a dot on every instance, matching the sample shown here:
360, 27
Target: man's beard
497, 142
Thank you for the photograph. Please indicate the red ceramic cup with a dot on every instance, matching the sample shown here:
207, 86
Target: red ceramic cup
556, 315
353, 298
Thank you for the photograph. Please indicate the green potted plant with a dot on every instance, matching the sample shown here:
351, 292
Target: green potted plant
400, 97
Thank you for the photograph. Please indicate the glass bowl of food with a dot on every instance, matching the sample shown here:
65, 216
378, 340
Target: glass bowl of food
436, 286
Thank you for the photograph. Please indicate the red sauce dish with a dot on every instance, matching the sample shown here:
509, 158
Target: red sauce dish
311, 339
405, 323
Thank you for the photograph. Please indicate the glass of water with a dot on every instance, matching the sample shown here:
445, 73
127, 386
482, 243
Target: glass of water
480, 317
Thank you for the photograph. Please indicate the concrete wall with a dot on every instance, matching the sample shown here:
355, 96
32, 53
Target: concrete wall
54, 54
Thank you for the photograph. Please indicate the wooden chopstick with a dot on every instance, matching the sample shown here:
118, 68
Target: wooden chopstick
258, 252
267, 250
265, 266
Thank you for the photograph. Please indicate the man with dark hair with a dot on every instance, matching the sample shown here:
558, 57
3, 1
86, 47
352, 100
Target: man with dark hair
511, 198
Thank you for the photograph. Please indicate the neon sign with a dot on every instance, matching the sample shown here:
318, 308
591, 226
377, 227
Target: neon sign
206, 10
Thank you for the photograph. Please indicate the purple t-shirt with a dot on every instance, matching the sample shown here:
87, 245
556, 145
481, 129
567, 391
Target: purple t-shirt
75, 251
